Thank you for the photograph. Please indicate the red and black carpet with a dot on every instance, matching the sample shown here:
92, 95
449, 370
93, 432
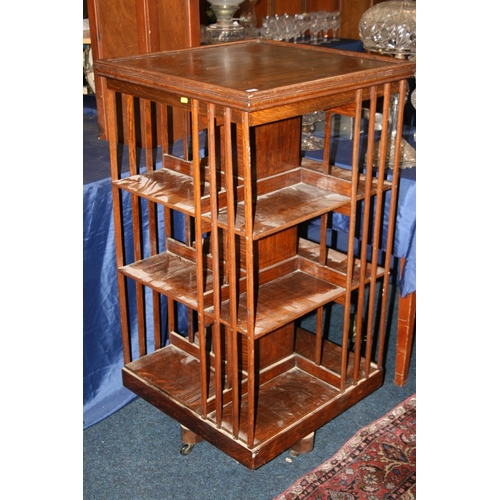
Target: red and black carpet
379, 461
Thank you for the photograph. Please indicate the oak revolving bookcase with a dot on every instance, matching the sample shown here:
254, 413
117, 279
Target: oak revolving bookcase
244, 373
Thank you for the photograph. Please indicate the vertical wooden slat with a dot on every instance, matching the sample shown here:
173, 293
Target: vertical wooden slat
167, 213
188, 236
319, 335
351, 240
129, 123
364, 239
323, 230
147, 107
136, 222
185, 138
214, 240
392, 217
377, 216
323, 250
185, 131
382, 169
249, 249
195, 105
112, 134
323, 256
327, 142
376, 230
232, 275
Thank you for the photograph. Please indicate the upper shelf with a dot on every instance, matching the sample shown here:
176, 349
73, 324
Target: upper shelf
286, 200
282, 201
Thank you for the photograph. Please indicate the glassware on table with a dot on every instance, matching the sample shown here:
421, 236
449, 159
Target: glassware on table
300, 27
294, 28
332, 22
266, 29
248, 18
278, 27
390, 28
315, 23
226, 29
287, 27
271, 28
310, 142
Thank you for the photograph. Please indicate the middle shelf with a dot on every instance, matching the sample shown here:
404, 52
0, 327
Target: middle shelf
301, 283
280, 201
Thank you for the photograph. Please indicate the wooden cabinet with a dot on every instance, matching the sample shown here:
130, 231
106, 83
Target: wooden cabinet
129, 27
247, 374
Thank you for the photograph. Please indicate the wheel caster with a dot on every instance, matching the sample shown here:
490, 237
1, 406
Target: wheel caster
186, 449
305, 445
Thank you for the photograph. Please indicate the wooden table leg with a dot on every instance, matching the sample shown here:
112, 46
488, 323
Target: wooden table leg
406, 329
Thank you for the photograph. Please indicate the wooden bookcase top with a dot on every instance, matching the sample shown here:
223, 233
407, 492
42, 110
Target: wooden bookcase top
255, 74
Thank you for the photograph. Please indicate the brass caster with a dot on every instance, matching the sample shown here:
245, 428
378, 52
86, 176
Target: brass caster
186, 449
305, 445
189, 439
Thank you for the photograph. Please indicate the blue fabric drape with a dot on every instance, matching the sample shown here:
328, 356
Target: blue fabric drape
102, 342
102, 348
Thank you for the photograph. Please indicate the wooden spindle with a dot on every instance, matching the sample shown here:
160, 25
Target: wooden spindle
232, 275
214, 241
251, 302
351, 239
199, 256
392, 217
364, 240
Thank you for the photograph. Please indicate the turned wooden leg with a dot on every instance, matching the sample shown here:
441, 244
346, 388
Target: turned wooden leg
406, 328
189, 439
305, 445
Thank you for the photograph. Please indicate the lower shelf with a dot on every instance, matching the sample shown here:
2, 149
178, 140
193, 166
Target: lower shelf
298, 399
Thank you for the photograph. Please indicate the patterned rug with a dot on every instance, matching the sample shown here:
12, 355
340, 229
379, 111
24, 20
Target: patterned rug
378, 462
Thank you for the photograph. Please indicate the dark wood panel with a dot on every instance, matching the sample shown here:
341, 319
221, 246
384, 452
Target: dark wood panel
131, 27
